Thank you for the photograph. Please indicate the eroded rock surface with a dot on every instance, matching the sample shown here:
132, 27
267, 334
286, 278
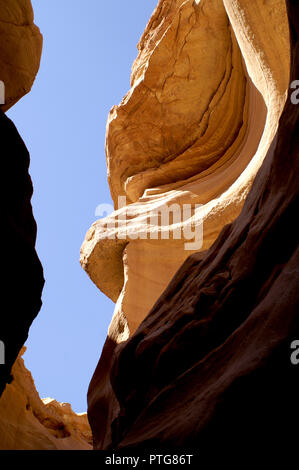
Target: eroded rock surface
208, 90
210, 366
20, 49
29, 423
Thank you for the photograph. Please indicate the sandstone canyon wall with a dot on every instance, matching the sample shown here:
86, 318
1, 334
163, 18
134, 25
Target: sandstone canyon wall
208, 121
29, 423
26, 422
198, 350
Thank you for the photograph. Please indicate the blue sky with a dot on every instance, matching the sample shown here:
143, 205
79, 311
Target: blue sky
89, 48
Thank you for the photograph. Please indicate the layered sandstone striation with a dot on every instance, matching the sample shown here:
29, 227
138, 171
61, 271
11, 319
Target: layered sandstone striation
29, 423
210, 366
208, 89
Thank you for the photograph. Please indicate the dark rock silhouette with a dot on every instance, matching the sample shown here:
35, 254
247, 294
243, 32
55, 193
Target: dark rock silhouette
22, 277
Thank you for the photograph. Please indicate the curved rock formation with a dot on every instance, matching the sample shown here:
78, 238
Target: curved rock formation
20, 49
29, 423
210, 365
208, 90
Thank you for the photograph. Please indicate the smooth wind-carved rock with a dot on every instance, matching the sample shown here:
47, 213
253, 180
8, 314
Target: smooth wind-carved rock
208, 89
29, 423
194, 129
20, 49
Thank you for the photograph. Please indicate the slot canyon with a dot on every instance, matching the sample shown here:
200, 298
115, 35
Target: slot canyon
199, 337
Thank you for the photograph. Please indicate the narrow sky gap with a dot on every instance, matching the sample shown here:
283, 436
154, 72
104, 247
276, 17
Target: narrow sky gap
86, 63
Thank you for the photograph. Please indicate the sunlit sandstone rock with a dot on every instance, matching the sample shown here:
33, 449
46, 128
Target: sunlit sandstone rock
29, 423
20, 49
208, 89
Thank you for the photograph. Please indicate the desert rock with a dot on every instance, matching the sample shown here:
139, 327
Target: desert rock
194, 129
208, 89
20, 49
29, 423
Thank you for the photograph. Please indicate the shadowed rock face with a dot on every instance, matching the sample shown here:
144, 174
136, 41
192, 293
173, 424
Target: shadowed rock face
210, 364
20, 52
23, 280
